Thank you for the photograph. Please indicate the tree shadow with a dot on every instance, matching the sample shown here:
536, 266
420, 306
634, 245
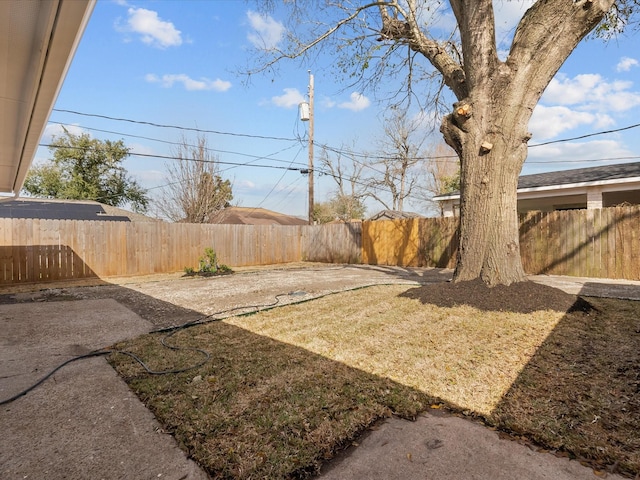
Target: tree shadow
415, 274
440, 242
261, 400
579, 393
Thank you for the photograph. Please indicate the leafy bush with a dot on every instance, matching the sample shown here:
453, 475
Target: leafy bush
208, 265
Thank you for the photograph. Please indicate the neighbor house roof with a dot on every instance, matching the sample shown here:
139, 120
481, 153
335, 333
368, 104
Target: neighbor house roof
589, 175
255, 216
37, 41
67, 210
603, 175
393, 215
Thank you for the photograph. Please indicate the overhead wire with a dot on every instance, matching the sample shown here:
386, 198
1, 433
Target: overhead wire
169, 157
276, 184
328, 147
349, 153
177, 127
209, 149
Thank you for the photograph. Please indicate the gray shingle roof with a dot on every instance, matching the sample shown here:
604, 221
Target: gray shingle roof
66, 210
580, 175
577, 175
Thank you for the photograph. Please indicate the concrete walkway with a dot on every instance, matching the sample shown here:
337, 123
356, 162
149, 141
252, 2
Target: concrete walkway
84, 423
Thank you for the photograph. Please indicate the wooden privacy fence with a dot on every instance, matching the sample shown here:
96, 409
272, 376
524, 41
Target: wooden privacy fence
33, 250
601, 243
591, 243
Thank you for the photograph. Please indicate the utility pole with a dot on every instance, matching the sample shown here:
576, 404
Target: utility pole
310, 148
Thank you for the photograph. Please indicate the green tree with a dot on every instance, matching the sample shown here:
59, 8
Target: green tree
488, 124
85, 168
339, 207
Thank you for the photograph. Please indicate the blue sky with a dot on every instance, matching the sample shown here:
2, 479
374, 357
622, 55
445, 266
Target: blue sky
178, 63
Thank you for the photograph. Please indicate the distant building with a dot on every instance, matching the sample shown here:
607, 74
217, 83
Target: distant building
68, 210
580, 188
255, 216
393, 215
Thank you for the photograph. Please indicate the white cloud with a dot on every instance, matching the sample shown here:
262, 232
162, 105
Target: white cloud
140, 148
548, 122
591, 92
625, 64
266, 33
570, 91
356, 103
153, 30
327, 102
189, 83
148, 178
244, 185
291, 98
438, 15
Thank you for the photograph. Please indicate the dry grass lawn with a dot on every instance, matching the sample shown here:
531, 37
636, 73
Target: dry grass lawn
285, 388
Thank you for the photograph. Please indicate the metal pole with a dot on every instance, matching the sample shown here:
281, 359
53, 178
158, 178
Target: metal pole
310, 148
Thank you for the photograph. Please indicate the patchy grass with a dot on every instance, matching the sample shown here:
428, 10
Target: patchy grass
284, 389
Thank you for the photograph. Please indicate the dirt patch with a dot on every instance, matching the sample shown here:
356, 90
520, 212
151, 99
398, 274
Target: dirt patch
169, 300
522, 297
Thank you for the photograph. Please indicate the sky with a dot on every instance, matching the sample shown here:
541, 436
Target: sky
142, 67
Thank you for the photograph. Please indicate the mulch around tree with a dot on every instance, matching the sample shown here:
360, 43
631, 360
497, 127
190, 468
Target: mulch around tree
522, 297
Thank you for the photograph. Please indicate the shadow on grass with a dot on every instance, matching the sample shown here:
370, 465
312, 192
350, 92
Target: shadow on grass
259, 408
266, 408
580, 392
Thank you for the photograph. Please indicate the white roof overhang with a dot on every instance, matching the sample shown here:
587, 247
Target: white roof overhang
37, 42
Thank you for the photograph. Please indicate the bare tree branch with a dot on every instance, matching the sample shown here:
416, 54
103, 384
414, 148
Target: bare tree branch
197, 191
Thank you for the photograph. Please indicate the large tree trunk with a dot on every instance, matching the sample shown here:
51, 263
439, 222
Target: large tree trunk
492, 152
488, 127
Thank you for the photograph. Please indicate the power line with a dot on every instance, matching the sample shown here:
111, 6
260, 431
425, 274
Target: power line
214, 150
325, 146
603, 132
349, 153
167, 157
278, 182
611, 159
177, 127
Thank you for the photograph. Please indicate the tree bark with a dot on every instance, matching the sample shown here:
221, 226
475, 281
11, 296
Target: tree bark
488, 128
